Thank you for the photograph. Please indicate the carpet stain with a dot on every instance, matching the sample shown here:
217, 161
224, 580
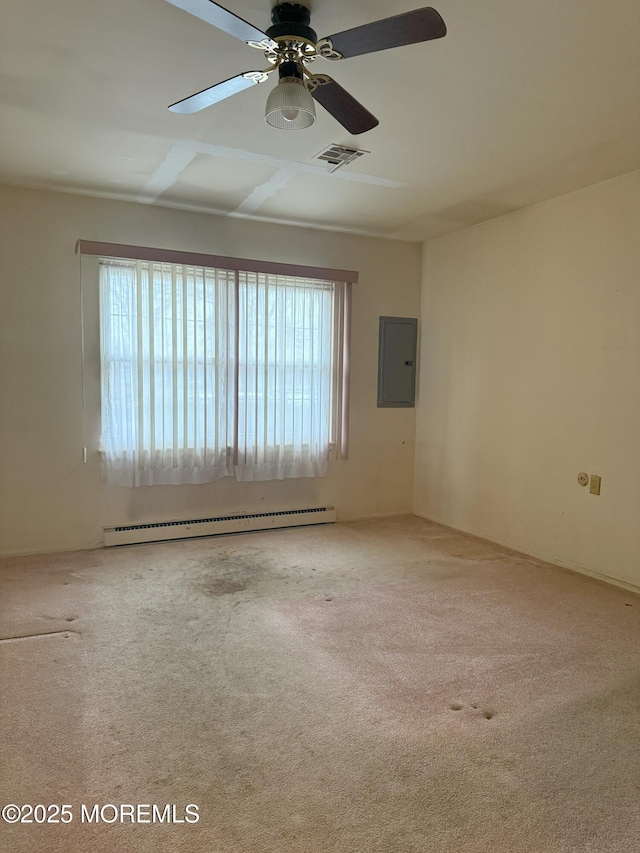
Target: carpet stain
457, 706
222, 586
230, 574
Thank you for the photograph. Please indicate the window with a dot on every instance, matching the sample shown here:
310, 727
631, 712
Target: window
209, 372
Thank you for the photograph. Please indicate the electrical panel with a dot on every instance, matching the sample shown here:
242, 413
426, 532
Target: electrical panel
397, 348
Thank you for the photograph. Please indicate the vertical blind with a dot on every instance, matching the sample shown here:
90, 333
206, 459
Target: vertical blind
208, 373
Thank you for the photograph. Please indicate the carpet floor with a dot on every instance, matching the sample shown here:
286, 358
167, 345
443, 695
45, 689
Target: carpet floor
386, 686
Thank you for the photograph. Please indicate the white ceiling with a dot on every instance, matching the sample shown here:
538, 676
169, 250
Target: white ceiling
520, 102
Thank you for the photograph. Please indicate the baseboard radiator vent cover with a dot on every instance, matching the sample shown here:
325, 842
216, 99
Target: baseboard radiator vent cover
161, 531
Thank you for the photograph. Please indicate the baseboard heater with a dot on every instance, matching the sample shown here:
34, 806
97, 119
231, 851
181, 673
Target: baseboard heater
191, 528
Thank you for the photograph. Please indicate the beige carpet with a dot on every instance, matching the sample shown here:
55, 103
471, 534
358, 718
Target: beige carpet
374, 687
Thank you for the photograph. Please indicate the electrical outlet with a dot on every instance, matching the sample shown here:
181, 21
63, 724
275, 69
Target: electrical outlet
594, 484
583, 478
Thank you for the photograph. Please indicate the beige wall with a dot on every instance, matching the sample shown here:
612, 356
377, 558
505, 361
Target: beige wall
531, 374
50, 500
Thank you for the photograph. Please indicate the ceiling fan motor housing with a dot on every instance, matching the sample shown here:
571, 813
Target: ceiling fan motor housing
290, 69
291, 21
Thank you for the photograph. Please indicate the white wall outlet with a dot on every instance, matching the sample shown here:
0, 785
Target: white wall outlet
594, 487
583, 478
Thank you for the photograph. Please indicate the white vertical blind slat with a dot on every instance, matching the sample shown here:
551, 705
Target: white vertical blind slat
151, 284
174, 366
236, 370
139, 445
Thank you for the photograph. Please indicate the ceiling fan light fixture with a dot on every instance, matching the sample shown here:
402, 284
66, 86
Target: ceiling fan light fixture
289, 45
290, 105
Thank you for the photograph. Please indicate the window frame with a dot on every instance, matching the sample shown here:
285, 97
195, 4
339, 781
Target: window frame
339, 425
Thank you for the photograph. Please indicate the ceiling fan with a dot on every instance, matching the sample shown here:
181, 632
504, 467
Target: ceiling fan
290, 45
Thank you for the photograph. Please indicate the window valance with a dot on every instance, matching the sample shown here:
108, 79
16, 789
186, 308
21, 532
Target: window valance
172, 256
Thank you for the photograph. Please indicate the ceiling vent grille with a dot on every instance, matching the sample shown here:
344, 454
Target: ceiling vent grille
337, 156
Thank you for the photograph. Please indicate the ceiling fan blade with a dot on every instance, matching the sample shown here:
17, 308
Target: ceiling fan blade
344, 107
408, 28
207, 97
220, 17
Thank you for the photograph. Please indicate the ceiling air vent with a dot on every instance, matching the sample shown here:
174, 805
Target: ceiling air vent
337, 156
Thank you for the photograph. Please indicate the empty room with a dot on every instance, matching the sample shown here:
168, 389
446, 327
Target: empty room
319, 427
